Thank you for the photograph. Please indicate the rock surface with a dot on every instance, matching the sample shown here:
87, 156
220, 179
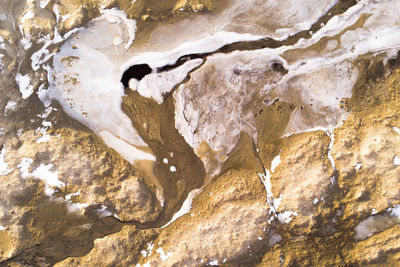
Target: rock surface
271, 132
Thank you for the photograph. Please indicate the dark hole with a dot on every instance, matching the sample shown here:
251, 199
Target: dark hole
279, 68
137, 72
180, 61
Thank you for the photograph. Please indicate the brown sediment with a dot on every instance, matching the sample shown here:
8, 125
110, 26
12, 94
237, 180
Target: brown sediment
234, 203
156, 125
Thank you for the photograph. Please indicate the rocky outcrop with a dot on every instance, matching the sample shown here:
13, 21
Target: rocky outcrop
273, 150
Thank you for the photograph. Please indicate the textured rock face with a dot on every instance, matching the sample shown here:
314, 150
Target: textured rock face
192, 133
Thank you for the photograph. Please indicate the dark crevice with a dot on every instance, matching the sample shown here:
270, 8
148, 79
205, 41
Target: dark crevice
137, 72
140, 70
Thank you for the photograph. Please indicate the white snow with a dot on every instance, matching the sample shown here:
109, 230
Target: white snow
3, 165
103, 211
1, 57
25, 88
133, 84
172, 168
43, 3
24, 167
164, 256
26, 37
117, 40
377, 223
396, 129
10, 106
203, 44
286, 216
396, 161
128, 151
331, 135
2, 228
274, 203
275, 162
358, 166
165, 160
43, 173
115, 16
148, 251
71, 195
213, 263
46, 113
85, 80
49, 177
186, 206
74, 207
45, 137
155, 85
266, 180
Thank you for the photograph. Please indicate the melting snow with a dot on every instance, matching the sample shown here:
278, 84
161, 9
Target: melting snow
377, 223
186, 206
3, 165
10, 106
162, 254
273, 202
286, 216
148, 251
25, 88
50, 178
43, 3
172, 169
396, 129
69, 196
213, 262
331, 135
358, 166
275, 162
396, 161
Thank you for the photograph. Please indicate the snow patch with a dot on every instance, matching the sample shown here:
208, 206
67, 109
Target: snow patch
43, 3
43, 173
273, 202
71, 195
147, 253
275, 162
3, 165
10, 106
86, 76
186, 206
331, 135
172, 168
25, 88
213, 263
164, 256
396, 129
286, 216
377, 223
396, 161
358, 166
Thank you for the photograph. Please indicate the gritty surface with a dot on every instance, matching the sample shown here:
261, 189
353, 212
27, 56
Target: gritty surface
266, 133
